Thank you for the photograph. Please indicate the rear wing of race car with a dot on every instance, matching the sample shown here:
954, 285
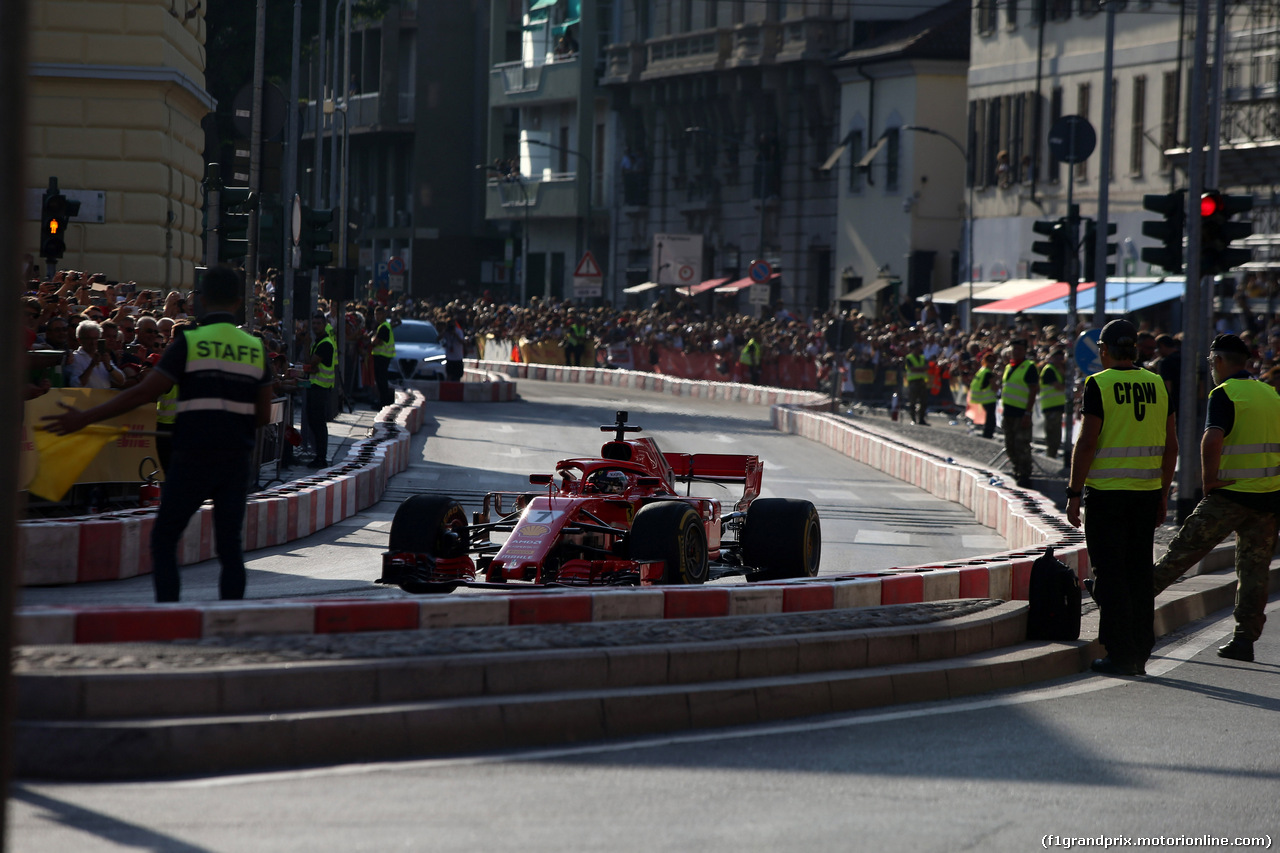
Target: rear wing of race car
719, 468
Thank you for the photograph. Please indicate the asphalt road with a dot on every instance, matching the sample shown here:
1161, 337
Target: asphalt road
870, 520
1189, 750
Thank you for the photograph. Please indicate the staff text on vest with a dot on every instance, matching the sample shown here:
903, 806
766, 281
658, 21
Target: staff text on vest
226, 352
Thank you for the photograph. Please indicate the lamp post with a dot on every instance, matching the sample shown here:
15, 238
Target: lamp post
968, 210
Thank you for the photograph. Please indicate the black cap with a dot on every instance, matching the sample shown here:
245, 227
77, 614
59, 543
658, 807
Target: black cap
318, 315
1229, 343
1119, 333
1018, 342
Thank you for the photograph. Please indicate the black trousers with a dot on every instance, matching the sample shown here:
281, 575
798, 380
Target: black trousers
1119, 530
381, 364
193, 478
989, 423
317, 418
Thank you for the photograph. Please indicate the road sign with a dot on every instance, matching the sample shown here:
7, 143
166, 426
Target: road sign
759, 271
1087, 352
587, 267
759, 294
395, 283
1072, 139
677, 259
685, 274
395, 265
380, 274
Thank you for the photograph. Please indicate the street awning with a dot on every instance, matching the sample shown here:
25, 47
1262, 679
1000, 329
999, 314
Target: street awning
695, 289
641, 288
959, 293
1123, 297
735, 286
1028, 302
869, 290
1012, 287
865, 162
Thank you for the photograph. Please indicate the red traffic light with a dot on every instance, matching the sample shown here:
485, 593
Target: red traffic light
1210, 204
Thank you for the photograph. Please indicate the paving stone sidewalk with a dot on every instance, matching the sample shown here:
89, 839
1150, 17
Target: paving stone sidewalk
249, 651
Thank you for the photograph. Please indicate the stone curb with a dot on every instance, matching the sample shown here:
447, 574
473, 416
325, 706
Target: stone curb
417, 708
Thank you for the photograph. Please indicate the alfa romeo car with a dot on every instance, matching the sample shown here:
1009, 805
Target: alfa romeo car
419, 354
614, 519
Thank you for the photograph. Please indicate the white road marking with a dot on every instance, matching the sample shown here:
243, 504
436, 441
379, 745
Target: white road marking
835, 495
1171, 657
914, 496
881, 537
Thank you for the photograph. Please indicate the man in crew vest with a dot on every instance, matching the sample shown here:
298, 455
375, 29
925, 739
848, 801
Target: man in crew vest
917, 377
575, 340
323, 369
384, 349
983, 392
1053, 400
1122, 467
751, 358
1240, 468
224, 395
1018, 388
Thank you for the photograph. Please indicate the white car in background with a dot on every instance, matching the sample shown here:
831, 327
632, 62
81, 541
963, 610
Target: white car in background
419, 354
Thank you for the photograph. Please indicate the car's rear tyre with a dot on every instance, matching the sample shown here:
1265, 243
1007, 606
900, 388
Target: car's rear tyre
434, 525
781, 538
671, 531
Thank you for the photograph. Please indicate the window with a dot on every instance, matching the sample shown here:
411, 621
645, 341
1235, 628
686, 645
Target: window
1059, 10
856, 150
1137, 139
1082, 109
1011, 13
1170, 99
973, 166
986, 16
1087, 8
1037, 11
892, 152
991, 150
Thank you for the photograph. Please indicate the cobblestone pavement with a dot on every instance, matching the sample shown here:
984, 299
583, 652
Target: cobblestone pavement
253, 651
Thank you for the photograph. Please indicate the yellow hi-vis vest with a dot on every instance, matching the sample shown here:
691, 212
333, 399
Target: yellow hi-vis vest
1051, 398
979, 394
1014, 389
167, 406
386, 349
324, 375
224, 366
1251, 451
1135, 407
917, 367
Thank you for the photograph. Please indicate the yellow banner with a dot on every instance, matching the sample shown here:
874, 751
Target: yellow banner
107, 452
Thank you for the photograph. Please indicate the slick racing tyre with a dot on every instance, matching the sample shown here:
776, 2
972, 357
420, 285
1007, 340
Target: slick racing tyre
781, 538
434, 526
671, 531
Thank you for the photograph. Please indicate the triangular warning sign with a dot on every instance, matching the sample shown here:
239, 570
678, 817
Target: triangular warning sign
587, 267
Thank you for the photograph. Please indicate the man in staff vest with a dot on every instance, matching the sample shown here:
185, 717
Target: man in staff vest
384, 349
917, 378
322, 366
224, 395
1240, 468
1122, 467
983, 392
1018, 388
1053, 400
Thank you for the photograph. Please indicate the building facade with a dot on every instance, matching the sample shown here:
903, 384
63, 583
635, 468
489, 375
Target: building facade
115, 104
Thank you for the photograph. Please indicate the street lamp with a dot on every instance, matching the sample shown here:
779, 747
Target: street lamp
968, 211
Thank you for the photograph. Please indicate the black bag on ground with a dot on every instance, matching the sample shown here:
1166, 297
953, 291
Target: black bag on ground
1054, 600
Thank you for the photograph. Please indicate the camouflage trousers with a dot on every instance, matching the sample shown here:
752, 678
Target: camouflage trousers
1214, 517
1017, 444
1053, 431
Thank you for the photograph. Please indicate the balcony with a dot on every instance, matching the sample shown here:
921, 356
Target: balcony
755, 44
687, 53
555, 196
623, 62
370, 111
809, 38
515, 84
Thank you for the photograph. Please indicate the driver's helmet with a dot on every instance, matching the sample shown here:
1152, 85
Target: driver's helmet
609, 482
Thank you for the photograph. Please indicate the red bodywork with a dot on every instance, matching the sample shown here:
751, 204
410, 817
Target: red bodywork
571, 533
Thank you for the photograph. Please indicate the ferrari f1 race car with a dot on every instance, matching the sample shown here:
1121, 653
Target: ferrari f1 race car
615, 519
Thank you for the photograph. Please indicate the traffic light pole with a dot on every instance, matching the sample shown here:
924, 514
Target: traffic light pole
291, 178
1073, 284
1099, 271
213, 194
1193, 331
255, 163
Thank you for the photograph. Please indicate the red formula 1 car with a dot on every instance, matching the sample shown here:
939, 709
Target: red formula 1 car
615, 519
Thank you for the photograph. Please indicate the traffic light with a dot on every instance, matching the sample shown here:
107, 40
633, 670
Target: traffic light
1054, 250
234, 205
1091, 247
1169, 230
317, 235
1217, 232
271, 233
53, 227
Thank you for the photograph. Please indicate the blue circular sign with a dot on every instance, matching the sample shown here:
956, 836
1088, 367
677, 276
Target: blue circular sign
1087, 352
395, 265
759, 271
